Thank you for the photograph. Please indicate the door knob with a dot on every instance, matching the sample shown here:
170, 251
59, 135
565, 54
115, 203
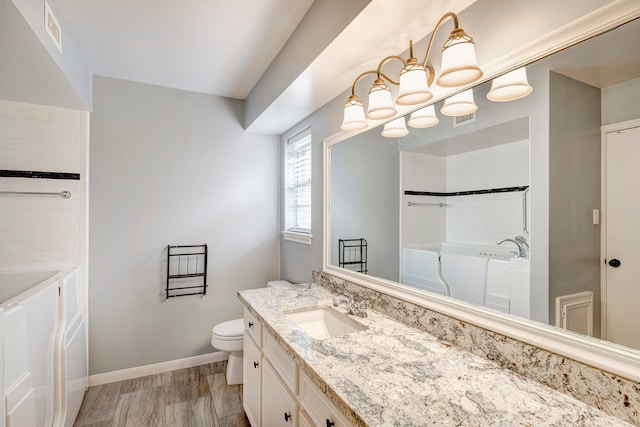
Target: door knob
615, 263
287, 417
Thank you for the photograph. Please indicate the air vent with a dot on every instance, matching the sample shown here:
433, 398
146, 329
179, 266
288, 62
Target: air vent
463, 120
52, 26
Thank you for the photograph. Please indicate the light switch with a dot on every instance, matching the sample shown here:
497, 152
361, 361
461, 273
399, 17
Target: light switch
596, 216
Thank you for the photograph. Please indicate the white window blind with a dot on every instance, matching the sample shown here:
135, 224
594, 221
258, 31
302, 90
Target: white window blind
298, 183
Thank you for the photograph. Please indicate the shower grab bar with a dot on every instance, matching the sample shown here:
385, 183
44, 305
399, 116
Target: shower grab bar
63, 194
525, 208
441, 205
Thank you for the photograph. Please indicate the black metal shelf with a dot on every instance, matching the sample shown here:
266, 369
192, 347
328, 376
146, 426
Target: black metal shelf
186, 262
353, 252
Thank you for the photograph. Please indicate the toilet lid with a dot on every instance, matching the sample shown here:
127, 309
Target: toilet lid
232, 328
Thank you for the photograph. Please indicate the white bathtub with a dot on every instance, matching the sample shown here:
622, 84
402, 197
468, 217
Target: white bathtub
481, 275
45, 353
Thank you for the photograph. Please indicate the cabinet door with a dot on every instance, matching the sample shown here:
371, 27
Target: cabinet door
304, 420
280, 408
251, 368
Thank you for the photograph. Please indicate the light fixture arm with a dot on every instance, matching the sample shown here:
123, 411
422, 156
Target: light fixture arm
384, 61
377, 72
451, 15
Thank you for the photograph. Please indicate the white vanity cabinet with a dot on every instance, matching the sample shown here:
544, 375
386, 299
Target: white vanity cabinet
317, 407
275, 391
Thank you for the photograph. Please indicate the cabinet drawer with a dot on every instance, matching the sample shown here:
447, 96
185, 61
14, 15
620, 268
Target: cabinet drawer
283, 364
253, 326
318, 407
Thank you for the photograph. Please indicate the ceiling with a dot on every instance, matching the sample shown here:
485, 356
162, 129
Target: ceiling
219, 47
224, 47
603, 61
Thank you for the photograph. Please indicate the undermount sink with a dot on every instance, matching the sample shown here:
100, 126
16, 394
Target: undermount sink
324, 322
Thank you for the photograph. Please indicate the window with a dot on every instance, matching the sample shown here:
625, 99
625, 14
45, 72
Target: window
297, 187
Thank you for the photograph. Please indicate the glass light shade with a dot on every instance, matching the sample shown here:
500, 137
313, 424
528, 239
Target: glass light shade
395, 128
353, 115
460, 104
380, 101
423, 118
414, 87
510, 86
459, 64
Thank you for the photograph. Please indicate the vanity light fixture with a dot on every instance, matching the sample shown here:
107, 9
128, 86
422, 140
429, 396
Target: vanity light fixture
459, 67
459, 104
380, 101
424, 118
353, 115
510, 86
395, 128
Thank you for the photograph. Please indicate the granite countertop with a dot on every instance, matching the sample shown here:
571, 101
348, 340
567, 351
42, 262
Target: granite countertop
393, 375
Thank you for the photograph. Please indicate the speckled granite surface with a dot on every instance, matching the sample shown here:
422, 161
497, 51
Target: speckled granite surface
611, 393
394, 375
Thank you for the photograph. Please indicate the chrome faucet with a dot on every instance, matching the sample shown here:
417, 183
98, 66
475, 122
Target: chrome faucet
522, 246
357, 308
523, 242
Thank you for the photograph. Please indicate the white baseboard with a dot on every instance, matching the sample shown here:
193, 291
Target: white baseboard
156, 368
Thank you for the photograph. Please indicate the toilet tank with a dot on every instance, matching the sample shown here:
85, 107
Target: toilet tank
278, 284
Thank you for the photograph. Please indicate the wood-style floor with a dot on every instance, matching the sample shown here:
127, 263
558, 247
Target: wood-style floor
191, 397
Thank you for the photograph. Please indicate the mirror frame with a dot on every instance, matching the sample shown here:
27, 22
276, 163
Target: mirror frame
601, 354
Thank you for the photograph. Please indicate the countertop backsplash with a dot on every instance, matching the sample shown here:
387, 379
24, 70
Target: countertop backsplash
615, 395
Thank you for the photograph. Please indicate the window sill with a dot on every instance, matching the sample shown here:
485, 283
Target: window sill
297, 237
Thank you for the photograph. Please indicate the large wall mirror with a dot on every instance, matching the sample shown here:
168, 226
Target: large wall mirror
499, 214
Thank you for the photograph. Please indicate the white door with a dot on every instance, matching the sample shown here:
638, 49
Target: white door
622, 250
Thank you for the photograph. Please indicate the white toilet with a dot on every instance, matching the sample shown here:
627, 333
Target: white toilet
228, 337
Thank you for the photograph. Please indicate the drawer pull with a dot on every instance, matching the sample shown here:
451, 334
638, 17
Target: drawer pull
255, 364
251, 324
330, 423
287, 417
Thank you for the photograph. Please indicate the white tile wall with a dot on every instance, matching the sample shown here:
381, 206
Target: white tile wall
423, 172
41, 232
504, 165
485, 219
479, 219
423, 226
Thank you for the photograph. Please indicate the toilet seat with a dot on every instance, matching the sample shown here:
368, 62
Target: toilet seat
229, 331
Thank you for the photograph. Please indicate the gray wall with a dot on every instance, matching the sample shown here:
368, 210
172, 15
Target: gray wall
173, 167
620, 102
574, 191
365, 197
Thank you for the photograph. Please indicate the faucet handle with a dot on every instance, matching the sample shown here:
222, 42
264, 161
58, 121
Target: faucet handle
347, 294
